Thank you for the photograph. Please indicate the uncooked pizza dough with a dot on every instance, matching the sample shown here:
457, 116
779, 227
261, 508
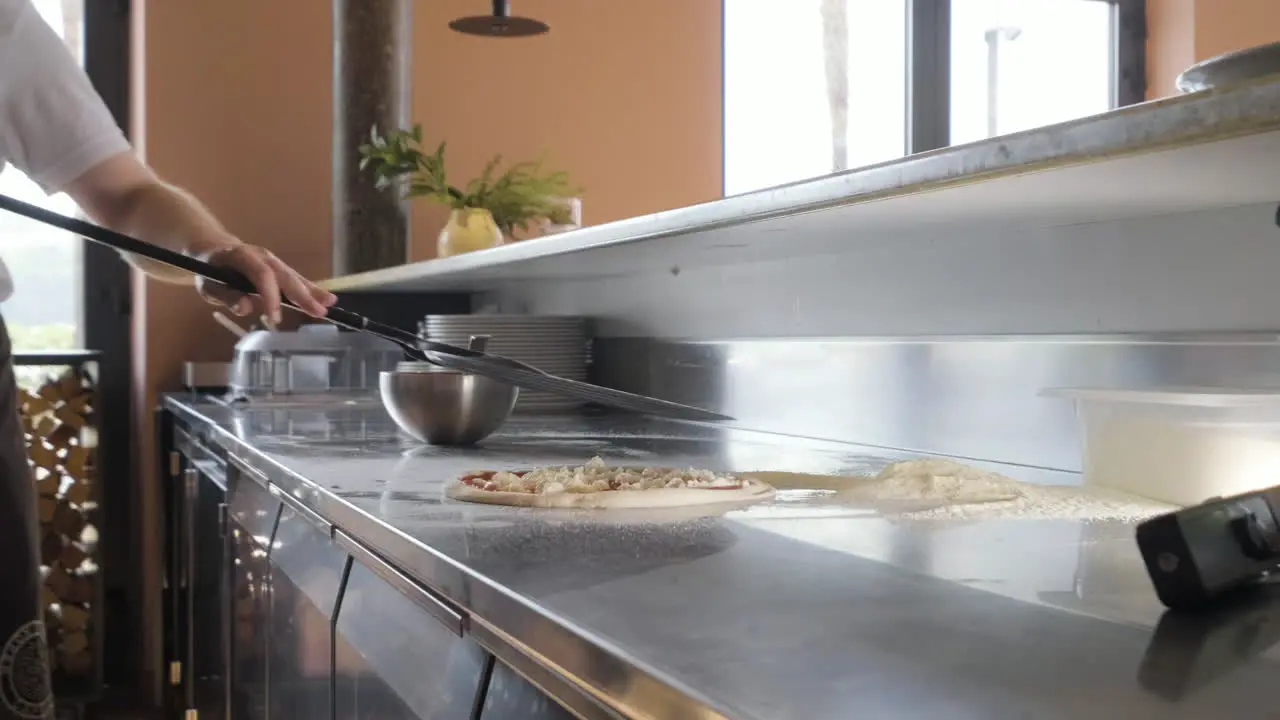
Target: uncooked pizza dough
596, 485
933, 481
782, 480
599, 486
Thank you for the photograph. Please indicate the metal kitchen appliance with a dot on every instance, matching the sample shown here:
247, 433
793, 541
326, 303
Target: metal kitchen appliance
1199, 554
212, 377
492, 366
313, 358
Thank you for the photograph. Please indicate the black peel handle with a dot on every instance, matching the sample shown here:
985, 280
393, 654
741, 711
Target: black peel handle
122, 242
226, 276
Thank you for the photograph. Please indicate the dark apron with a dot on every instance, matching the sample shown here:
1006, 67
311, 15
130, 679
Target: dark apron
24, 656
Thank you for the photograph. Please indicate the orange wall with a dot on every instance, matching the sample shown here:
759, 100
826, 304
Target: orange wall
625, 96
1182, 32
1171, 37
1227, 25
233, 103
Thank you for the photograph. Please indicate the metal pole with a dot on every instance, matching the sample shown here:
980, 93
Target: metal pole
993, 80
372, 56
993, 37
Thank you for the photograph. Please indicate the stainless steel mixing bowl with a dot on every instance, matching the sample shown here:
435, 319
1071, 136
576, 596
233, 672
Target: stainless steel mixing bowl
445, 407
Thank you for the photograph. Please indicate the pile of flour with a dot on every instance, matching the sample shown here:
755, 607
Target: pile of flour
944, 489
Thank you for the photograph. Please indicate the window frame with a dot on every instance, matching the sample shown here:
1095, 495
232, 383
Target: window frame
107, 287
928, 48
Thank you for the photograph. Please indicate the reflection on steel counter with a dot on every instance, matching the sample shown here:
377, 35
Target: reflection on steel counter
1191, 650
601, 552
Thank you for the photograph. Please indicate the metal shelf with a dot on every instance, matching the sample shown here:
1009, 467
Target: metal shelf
1197, 151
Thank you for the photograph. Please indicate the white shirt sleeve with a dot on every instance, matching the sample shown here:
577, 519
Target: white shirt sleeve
53, 124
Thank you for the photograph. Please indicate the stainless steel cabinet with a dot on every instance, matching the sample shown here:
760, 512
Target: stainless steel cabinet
197, 586
306, 574
400, 651
511, 697
251, 525
208, 595
276, 614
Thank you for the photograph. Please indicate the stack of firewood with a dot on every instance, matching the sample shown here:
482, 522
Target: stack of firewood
61, 439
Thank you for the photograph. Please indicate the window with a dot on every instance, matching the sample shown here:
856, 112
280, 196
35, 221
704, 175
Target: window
813, 87
47, 307
1028, 63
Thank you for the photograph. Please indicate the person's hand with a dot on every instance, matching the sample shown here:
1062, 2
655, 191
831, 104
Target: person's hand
270, 275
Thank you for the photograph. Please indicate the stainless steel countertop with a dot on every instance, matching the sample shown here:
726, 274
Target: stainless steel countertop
794, 609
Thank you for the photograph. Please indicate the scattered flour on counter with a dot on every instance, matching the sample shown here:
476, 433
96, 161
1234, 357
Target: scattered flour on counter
941, 481
1052, 502
944, 489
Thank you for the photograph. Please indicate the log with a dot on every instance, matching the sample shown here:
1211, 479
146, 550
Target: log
57, 420
74, 618
80, 590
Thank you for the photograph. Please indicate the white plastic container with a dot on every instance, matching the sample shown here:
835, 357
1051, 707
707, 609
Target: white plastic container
1179, 445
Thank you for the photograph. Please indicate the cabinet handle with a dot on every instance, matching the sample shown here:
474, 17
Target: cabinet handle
437, 607
302, 511
191, 489
190, 486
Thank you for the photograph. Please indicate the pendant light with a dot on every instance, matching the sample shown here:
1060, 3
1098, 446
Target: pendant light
500, 24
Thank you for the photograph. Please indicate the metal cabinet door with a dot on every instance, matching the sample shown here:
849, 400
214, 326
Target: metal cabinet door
196, 588
251, 524
207, 621
511, 697
306, 573
399, 650
249, 624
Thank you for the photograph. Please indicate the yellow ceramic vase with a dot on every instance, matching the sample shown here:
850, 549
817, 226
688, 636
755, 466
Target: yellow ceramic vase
468, 229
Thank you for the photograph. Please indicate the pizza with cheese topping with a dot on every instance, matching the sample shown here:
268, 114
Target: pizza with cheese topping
598, 485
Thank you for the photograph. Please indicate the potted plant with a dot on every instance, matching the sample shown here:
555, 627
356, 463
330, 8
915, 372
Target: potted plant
482, 212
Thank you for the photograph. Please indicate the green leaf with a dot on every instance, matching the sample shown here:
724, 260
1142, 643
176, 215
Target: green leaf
516, 196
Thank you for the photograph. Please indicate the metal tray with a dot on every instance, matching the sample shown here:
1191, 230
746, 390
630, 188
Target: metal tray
1230, 68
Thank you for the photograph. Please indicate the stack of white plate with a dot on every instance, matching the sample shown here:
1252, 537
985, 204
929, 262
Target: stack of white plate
552, 343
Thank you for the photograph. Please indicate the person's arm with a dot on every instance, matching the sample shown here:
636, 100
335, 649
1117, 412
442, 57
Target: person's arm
56, 129
125, 195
